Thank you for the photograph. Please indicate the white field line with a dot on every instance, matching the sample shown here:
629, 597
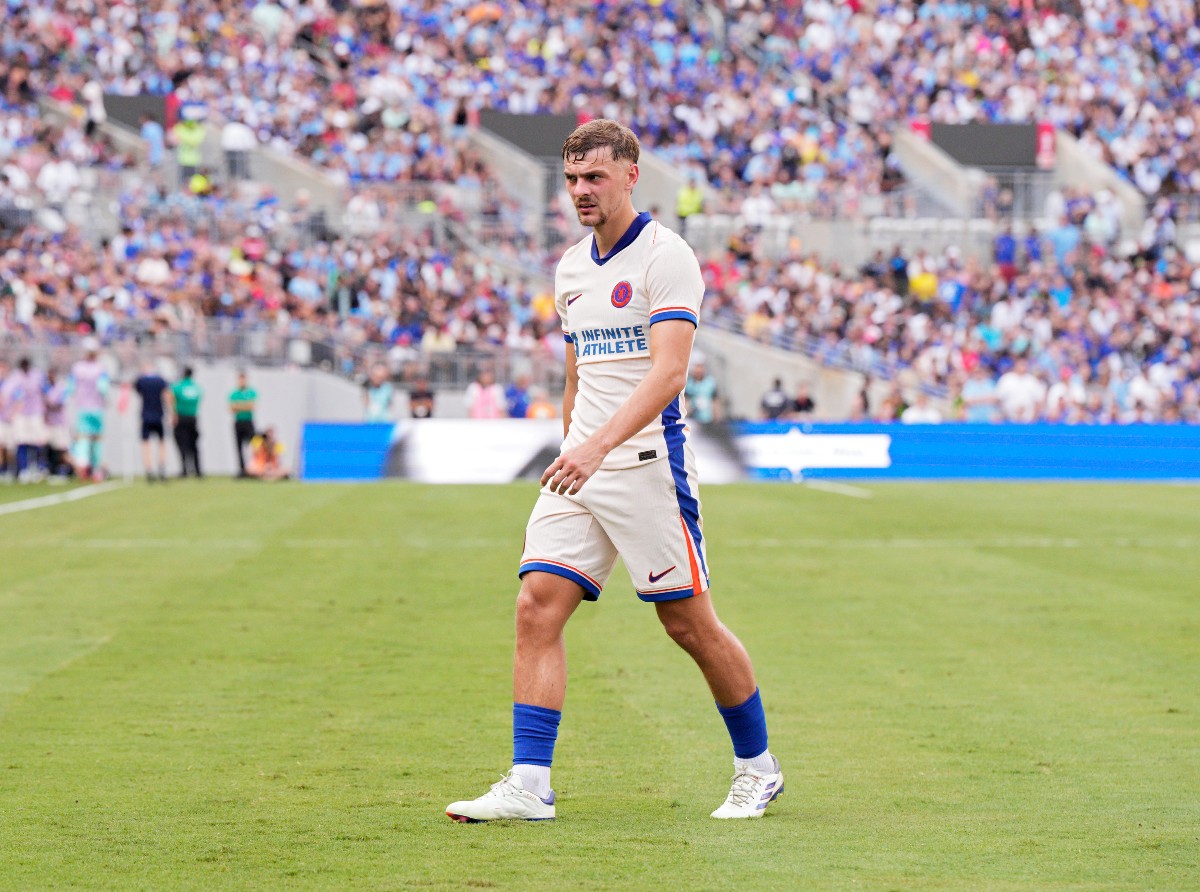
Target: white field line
993, 542
60, 498
251, 543
181, 544
841, 489
401, 544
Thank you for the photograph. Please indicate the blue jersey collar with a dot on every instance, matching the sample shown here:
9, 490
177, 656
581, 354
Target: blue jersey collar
635, 229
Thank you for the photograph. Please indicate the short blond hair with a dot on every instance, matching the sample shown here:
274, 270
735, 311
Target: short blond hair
601, 133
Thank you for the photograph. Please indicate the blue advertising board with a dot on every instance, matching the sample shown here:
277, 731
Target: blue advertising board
430, 450
778, 450
344, 451
463, 450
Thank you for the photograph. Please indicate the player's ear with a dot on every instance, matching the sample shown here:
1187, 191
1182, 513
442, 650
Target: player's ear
631, 177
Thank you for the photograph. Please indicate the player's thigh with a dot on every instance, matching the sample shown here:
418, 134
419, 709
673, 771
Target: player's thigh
564, 539
652, 515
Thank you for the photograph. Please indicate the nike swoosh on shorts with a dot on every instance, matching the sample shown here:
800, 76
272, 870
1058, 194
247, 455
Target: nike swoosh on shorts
654, 577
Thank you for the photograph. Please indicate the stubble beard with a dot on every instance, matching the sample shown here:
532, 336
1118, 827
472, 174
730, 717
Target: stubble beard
601, 219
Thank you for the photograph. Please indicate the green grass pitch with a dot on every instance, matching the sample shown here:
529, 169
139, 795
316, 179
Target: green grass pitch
228, 685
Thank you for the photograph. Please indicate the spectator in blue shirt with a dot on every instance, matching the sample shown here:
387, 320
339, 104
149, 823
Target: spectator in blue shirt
516, 397
979, 397
156, 141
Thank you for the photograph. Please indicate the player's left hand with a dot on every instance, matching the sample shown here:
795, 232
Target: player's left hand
573, 468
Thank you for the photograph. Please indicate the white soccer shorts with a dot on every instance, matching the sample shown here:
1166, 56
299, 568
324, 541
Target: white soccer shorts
649, 515
28, 430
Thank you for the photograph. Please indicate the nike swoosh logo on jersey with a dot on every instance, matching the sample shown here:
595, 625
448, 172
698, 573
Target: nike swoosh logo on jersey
571, 300
654, 577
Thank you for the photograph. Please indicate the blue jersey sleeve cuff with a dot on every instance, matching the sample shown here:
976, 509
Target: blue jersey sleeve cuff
664, 315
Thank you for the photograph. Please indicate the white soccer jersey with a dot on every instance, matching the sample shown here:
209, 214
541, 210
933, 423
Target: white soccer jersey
607, 306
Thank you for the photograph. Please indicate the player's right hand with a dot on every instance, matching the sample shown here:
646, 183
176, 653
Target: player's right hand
570, 471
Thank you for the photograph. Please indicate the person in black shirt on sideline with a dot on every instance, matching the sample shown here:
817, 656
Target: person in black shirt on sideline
775, 401
802, 407
156, 400
420, 399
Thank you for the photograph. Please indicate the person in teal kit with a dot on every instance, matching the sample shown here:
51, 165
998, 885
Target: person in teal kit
701, 393
241, 404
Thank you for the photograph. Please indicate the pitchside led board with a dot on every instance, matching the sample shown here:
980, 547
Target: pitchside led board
468, 451
776, 451
435, 450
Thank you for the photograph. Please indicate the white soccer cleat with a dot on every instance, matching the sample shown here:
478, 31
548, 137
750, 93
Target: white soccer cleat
752, 791
507, 800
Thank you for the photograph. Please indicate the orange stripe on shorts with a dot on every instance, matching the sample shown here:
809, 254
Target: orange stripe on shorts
695, 565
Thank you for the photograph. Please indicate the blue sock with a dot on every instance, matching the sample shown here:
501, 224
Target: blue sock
747, 726
535, 729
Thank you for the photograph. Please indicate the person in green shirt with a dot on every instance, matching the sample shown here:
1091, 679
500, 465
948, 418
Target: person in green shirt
188, 137
689, 201
187, 394
241, 404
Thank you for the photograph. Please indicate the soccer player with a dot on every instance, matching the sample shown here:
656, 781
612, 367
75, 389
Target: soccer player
88, 386
624, 483
8, 409
58, 431
29, 423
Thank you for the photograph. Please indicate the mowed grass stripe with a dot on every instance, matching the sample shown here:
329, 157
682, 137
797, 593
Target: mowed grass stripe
271, 713
421, 544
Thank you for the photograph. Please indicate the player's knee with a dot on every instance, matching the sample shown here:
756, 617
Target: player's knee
683, 632
528, 611
537, 611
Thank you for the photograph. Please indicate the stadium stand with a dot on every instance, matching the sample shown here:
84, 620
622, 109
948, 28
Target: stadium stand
1110, 340
785, 111
796, 93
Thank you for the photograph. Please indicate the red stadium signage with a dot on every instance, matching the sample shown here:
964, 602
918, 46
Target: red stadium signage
1046, 145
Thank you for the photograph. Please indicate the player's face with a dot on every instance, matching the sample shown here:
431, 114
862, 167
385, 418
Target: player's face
598, 186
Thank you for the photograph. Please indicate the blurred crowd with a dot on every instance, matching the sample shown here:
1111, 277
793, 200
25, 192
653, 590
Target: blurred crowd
1090, 337
783, 107
803, 94
1119, 75
1115, 336
400, 294
44, 168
